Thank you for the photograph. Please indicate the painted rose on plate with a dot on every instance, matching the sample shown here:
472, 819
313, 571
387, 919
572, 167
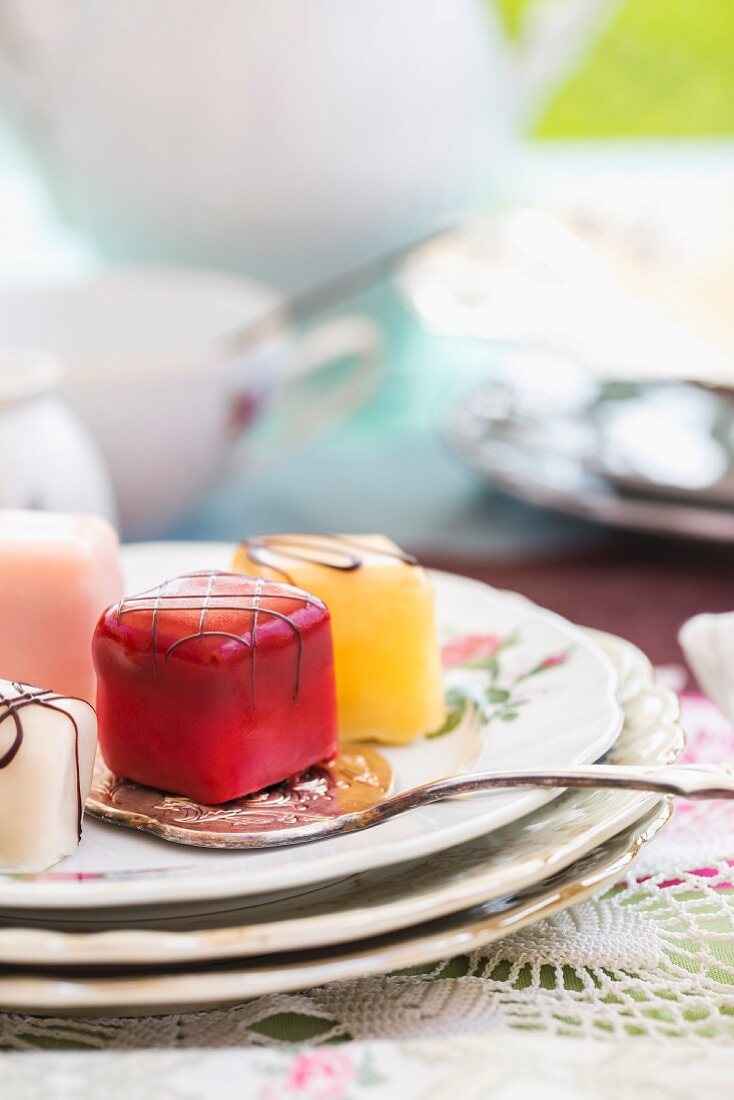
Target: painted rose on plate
495, 683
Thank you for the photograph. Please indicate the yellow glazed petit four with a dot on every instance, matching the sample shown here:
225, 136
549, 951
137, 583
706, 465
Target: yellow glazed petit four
388, 666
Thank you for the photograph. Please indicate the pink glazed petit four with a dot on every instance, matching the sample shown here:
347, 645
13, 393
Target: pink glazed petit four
58, 572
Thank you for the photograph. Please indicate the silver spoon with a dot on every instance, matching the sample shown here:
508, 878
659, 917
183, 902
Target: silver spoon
201, 830
306, 304
682, 780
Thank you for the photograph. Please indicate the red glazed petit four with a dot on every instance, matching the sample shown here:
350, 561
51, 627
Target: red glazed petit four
215, 685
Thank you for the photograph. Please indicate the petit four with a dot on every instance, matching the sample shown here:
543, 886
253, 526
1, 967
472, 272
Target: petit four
214, 685
57, 574
382, 606
47, 747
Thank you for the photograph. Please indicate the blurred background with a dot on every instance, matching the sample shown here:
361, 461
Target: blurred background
461, 272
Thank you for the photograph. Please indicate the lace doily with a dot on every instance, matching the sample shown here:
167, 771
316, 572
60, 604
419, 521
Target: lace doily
653, 957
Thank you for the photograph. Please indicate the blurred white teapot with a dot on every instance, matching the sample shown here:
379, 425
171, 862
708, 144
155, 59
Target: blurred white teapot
289, 139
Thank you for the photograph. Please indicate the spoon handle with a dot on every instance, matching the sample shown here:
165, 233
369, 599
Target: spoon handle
686, 781
306, 304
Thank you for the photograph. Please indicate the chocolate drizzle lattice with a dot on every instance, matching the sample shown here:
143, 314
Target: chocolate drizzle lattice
10, 707
345, 553
202, 604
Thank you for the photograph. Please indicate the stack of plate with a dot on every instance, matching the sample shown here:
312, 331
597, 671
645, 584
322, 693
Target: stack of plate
133, 923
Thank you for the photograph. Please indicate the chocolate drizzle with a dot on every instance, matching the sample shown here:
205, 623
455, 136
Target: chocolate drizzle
342, 552
10, 705
160, 600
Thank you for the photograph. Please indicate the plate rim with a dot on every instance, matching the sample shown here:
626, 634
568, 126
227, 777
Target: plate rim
18, 891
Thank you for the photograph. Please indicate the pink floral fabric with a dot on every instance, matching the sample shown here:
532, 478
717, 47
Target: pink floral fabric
710, 740
320, 1074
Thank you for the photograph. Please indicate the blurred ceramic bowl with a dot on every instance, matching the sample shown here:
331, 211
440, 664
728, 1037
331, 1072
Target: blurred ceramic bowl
47, 459
152, 368
708, 643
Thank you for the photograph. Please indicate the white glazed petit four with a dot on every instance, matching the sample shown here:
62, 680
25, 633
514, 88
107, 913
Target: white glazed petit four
47, 749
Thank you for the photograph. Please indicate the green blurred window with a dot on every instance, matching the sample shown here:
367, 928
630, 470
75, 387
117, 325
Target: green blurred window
660, 68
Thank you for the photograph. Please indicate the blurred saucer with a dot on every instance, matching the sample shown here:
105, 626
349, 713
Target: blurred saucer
651, 458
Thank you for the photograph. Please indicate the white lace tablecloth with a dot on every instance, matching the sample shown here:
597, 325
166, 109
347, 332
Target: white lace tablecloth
650, 961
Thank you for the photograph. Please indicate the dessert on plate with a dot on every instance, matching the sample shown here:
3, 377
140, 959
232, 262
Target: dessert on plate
388, 665
58, 572
214, 685
47, 747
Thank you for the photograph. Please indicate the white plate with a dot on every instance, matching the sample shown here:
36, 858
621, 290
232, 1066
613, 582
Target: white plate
232, 983
569, 715
503, 862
